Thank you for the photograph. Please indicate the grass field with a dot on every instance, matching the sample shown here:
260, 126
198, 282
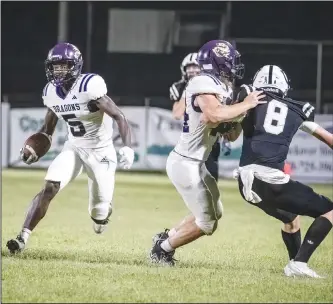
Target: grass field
66, 262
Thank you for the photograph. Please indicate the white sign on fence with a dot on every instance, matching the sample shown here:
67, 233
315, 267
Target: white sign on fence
163, 134
312, 160
25, 122
136, 118
155, 133
5, 108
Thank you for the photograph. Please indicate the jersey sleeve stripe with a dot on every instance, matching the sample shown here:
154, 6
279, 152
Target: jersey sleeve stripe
86, 83
82, 81
45, 89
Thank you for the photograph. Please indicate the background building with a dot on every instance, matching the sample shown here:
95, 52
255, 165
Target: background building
137, 46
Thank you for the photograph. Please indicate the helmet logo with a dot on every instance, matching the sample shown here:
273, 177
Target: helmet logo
56, 57
222, 50
77, 54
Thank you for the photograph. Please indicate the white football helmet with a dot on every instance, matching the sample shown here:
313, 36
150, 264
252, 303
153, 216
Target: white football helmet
190, 66
271, 76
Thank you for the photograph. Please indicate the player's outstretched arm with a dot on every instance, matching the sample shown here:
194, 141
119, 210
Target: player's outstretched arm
214, 112
318, 132
50, 123
107, 105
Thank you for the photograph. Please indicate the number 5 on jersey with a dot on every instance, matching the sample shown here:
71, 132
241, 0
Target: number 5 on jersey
76, 126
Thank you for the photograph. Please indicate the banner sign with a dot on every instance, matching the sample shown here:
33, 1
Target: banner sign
311, 160
24, 123
5, 110
136, 116
155, 133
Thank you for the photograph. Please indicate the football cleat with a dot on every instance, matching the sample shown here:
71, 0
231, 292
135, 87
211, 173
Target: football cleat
300, 269
16, 245
159, 256
160, 236
100, 228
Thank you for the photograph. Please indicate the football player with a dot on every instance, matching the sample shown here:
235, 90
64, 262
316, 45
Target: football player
268, 131
205, 100
190, 68
80, 100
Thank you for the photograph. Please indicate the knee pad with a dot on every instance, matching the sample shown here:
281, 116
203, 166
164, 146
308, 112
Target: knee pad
100, 212
208, 227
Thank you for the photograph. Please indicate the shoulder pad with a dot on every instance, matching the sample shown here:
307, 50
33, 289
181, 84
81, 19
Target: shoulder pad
94, 85
204, 84
244, 91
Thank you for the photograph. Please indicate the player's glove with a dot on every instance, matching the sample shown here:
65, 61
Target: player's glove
30, 158
126, 157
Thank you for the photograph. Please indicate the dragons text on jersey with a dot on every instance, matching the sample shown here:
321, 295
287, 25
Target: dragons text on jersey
87, 126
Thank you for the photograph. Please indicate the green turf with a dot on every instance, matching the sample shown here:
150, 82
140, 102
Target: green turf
66, 262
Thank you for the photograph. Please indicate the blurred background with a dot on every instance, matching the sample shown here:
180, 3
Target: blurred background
138, 47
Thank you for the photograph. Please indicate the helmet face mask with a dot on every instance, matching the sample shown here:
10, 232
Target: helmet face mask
189, 66
63, 64
192, 70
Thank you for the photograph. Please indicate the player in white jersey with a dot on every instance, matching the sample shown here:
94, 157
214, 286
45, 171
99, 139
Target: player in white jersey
81, 100
205, 119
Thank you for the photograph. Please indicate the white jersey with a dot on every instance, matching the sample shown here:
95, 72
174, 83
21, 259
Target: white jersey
86, 129
196, 139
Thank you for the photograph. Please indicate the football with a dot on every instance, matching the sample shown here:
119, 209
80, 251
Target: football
40, 143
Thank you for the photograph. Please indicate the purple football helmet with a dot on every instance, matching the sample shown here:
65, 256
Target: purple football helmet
220, 58
63, 64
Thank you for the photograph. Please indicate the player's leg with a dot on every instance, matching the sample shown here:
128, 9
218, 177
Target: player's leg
101, 167
314, 205
200, 193
212, 164
291, 233
64, 168
161, 236
300, 199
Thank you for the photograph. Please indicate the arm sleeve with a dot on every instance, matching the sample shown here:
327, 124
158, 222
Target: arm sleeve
174, 94
308, 126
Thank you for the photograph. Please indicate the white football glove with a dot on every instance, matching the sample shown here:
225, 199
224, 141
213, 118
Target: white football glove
32, 158
126, 157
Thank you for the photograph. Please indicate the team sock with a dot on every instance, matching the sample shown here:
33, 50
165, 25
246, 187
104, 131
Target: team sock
25, 233
292, 241
317, 232
172, 232
166, 246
